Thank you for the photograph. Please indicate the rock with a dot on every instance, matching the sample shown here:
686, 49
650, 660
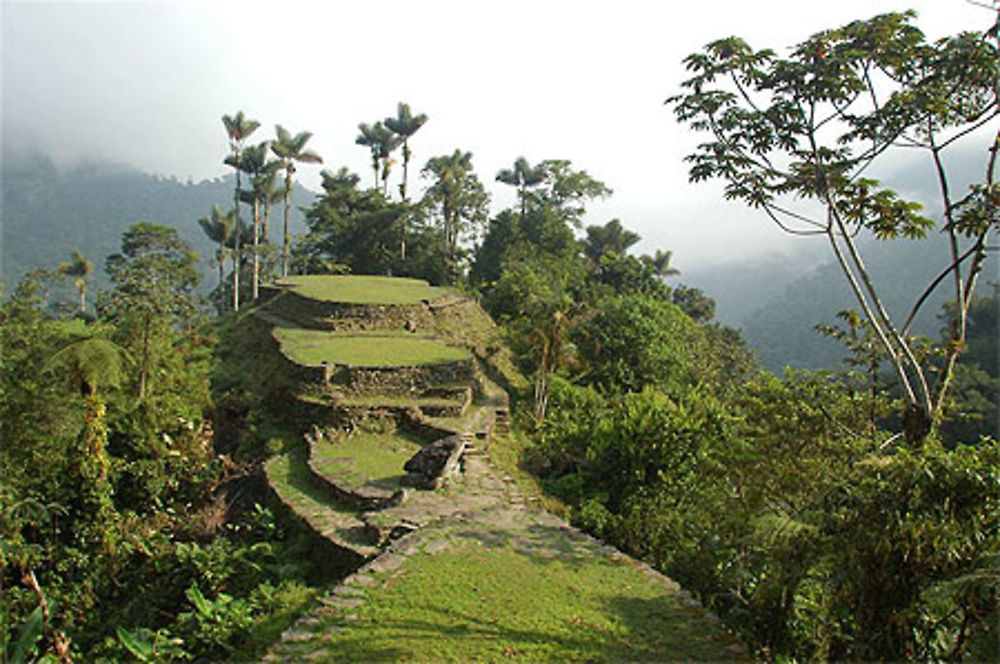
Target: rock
431, 467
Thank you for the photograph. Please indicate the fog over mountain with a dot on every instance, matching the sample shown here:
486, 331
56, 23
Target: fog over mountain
145, 84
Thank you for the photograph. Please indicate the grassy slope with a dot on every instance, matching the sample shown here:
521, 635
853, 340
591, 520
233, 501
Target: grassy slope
486, 597
361, 289
312, 347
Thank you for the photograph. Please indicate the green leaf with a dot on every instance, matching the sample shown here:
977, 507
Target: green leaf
141, 648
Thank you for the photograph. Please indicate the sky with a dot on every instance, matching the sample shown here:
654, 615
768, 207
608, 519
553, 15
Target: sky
146, 83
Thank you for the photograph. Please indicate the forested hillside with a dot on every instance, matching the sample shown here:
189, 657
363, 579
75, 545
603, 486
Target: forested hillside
366, 442
48, 211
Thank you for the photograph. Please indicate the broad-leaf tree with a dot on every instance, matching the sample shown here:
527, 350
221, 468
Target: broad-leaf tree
457, 195
239, 128
291, 149
801, 136
154, 279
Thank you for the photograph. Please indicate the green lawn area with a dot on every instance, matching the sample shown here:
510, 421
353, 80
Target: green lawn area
312, 347
361, 289
290, 477
492, 600
364, 458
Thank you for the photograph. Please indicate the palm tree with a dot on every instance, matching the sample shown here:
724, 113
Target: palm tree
405, 125
611, 238
380, 142
273, 193
660, 262
369, 138
239, 128
449, 170
291, 149
388, 142
78, 267
219, 229
460, 195
254, 163
522, 176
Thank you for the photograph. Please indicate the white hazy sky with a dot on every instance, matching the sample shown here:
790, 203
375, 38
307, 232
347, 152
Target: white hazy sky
146, 83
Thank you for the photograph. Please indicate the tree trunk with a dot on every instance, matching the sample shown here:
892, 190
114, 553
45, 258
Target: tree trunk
288, 237
144, 369
236, 243
256, 248
221, 256
83, 300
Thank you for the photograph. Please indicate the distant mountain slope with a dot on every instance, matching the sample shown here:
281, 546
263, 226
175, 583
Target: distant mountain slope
48, 212
779, 319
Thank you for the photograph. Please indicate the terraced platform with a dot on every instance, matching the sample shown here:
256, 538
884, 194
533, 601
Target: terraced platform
472, 570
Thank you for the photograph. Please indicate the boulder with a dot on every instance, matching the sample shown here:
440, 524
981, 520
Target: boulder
431, 467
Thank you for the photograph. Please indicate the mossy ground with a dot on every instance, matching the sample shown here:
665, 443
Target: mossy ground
363, 289
313, 347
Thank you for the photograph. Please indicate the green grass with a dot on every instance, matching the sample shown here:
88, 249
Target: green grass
491, 600
290, 477
313, 347
360, 289
365, 458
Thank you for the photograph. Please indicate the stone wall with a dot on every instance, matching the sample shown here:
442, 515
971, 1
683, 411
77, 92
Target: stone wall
401, 381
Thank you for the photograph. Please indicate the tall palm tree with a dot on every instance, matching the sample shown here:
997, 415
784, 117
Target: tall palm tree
273, 193
291, 149
405, 125
380, 142
219, 229
522, 176
254, 162
388, 142
78, 267
239, 128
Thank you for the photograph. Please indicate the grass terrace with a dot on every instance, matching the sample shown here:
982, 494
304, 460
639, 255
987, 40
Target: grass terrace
362, 289
313, 347
364, 458
494, 597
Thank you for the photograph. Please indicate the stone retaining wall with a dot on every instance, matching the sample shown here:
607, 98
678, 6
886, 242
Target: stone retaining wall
396, 381
332, 559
